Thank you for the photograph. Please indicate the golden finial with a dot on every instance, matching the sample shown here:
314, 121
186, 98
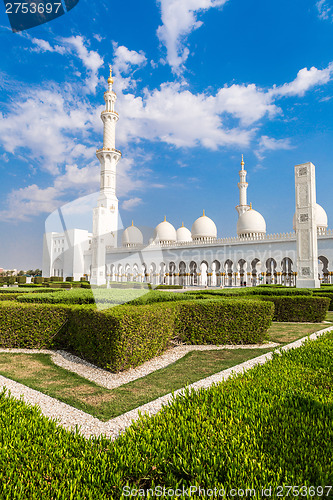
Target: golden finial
165, 218
110, 79
250, 206
182, 224
132, 223
242, 162
203, 213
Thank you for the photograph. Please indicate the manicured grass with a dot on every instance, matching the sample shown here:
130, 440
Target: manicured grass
270, 427
38, 372
284, 333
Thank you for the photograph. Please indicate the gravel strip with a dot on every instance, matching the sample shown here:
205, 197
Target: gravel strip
110, 380
70, 417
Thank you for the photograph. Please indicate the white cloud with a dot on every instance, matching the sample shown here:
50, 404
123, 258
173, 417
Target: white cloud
89, 58
245, 102
22, 204
28, 202
305, 80
325, 11
47, 125
180, 18
270, 144
131, 203
125, 59
44, 46
177, 117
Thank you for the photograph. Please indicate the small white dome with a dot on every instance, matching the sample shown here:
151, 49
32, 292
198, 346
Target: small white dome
251, 222
165, 232
132, 237
183, 235
203, 228
321, 218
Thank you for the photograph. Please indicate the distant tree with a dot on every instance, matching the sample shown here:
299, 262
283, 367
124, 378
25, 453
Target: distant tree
21, 273
38, 272
30, 272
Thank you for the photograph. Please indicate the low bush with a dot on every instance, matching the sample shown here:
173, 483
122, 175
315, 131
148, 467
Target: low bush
30, 325
156, 296
324, 293
57, 278
299, 309
223, 321
21, 279
119, 338
38, 280
169, 287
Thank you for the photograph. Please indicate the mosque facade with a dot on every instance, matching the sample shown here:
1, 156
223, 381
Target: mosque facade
165, 255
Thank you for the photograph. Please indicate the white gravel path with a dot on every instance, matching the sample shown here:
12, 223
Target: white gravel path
70, 417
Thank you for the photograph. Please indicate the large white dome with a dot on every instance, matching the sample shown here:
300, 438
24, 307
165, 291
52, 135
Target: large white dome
251, 222
165, 232
321, 218
132, 237
183, 235
203, 228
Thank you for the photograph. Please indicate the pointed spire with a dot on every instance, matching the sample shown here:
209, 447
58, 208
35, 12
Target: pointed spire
203, 213
110, 79
242, 162
251, 206
132, 223
182, 224
165, 218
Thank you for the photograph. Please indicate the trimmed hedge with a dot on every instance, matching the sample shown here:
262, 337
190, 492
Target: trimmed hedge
223, 321
299, 309
324, 293
169, 287
30, 326
119, 338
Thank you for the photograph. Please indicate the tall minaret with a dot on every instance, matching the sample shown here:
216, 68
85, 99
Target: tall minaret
242, 186
105, 215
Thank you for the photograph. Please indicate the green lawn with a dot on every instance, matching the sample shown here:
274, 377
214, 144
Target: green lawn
39, 372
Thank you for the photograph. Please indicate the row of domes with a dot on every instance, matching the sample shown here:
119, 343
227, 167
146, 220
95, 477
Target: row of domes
249, 223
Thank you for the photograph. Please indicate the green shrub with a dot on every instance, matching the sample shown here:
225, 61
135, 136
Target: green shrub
60, 285
156, 296
169, 287
299, 309
223, 321
85, 284
69, 278
21, 279
324, 293
57, 278
30, 325
119, 338
11, 280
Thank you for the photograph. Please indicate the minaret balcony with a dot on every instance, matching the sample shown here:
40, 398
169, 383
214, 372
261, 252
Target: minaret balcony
105, 150
105, 112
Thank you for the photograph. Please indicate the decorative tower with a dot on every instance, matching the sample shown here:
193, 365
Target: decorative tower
306, 226
105, 215
242, 186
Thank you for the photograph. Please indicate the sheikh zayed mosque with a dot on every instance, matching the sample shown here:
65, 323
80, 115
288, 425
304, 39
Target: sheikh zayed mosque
193, 257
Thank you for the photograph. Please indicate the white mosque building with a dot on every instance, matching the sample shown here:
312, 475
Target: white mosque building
169, 256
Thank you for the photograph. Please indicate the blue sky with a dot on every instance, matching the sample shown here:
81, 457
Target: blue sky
199, 82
